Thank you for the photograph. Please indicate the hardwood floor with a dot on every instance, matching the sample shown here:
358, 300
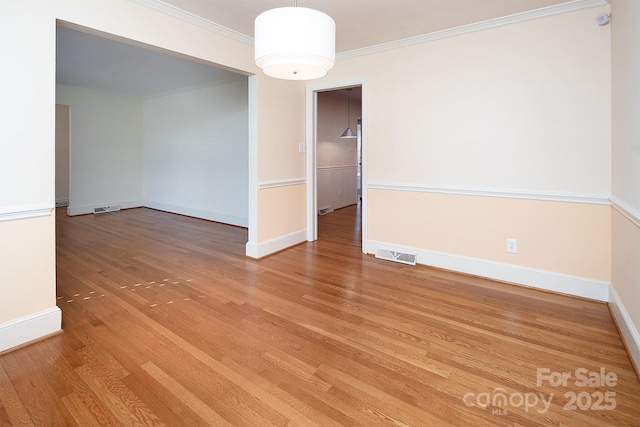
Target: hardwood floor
167, 323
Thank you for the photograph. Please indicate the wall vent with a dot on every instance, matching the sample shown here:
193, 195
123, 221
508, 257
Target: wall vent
325, 210
105, 209
401, 257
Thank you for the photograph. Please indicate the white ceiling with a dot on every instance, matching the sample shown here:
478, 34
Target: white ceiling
363, 23
93, 62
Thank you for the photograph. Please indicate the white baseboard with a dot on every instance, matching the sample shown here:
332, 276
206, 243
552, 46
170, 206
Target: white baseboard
197, 213
628, 330
88, 209
540, 279
28, 328
260, 250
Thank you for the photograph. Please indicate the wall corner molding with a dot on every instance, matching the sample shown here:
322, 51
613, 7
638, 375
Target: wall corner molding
571, 6
30, 328
629, 333
269, 247
191, 18
626, 210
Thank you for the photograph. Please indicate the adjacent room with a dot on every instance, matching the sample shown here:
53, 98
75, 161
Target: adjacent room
435, 223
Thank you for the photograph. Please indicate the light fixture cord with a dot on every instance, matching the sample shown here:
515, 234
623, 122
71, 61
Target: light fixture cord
349, 107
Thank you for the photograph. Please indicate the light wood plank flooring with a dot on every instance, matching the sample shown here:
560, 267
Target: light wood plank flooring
167, 323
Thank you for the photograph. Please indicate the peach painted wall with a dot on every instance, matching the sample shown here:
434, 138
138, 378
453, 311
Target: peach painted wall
569, 238
282, 211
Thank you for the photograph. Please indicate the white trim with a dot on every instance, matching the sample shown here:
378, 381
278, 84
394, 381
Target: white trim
337, 167
539, 279
12, 213
198, 213
281, 183
252, 233
191, 18
269, 247
626, 210
28, 328
88, 209
570, 6
592, 199
628, 330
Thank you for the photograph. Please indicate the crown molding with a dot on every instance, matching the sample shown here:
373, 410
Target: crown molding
570, 6
191, 18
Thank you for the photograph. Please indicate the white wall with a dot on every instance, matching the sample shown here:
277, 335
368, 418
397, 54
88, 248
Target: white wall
62, 155
105, 149
196, 153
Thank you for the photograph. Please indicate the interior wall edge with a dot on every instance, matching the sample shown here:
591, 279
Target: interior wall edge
518, 275
28, 328
73, 210
198, 213
277, 244
629, 333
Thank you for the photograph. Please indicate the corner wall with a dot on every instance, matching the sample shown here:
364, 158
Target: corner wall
105, 166
27, 190
625, 290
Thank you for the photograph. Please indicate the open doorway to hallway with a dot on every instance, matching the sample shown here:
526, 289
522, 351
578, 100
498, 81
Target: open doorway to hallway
337, 157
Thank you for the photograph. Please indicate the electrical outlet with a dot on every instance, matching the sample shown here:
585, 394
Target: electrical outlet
302, 147
512, 246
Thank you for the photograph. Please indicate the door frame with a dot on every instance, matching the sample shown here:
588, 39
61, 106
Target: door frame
311, 142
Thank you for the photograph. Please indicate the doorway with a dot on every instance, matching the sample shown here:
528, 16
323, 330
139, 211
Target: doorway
318, 170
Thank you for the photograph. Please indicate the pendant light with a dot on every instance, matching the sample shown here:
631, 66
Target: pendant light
349, 133
295, 43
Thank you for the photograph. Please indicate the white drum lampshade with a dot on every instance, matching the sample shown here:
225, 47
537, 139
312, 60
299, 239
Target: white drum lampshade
295, 43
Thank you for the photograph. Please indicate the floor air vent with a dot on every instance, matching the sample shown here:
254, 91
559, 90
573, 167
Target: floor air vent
105, 209
401, 257
325, 210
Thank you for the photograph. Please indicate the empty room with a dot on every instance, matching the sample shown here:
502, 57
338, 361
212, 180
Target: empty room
322, 213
